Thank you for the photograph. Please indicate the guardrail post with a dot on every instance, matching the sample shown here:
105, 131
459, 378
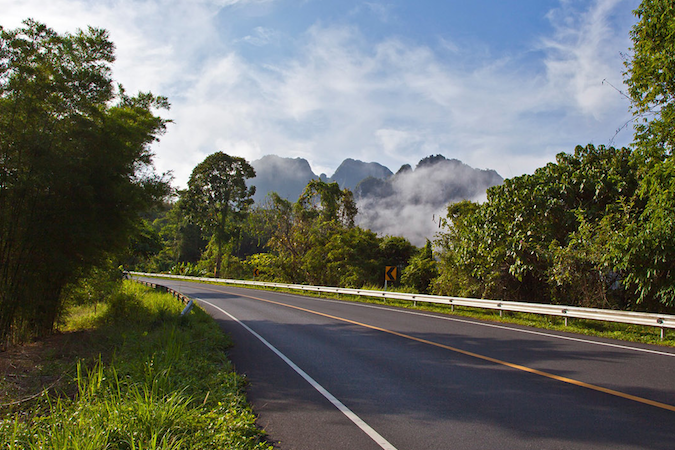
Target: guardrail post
663, 330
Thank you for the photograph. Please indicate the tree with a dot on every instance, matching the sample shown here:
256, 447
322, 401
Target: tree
462, 255
75, 167
508, 246
396, 251
328, 203
217, 198
346, 257
289, 238
643, 247
650, 78
421, 270
315, 241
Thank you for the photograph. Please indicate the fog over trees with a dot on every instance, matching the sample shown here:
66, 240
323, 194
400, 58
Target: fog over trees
412, 202
408, 203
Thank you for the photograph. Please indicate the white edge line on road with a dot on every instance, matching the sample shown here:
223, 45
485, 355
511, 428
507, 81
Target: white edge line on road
374, 435
501, 327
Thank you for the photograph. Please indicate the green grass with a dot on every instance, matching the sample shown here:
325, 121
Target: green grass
161, 382
619, 331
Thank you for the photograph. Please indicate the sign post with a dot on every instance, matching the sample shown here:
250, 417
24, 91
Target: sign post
390, 274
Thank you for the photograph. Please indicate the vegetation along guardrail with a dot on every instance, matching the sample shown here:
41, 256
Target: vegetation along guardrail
661, 321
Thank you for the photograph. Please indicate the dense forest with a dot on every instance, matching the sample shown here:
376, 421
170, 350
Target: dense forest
79, 198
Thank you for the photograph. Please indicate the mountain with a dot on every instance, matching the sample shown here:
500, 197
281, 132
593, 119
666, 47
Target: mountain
435, 181
411, 202
289, 176
351, 172
285, 176
408, 203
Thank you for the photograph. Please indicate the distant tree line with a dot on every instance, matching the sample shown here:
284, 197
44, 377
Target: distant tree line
313, 240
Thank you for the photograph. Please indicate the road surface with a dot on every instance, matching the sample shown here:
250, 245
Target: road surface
328, 374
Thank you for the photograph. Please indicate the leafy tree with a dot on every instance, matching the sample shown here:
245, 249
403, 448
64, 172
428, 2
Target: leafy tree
650, 78
75, 167
314, 240
289, 238
346, 257
643, 247
396, 251
217, 198
145, 243
582, 272
507, 247
328, 203
421, 270
462, 248
182, 242
595, 228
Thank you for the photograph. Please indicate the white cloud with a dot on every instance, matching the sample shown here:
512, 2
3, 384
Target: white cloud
261, 36
241, 2
395, 141
584, 51
340, 95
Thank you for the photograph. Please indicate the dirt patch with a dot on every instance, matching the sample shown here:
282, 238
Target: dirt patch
26, 371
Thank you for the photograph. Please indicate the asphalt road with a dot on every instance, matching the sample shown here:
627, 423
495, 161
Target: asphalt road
326, 374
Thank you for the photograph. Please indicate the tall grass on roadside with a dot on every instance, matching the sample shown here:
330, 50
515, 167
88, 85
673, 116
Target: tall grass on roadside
161, 382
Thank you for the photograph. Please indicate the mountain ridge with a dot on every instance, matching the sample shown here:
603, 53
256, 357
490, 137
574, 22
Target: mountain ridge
401, 203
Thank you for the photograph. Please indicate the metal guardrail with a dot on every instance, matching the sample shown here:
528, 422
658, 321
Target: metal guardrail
179, 295
661, 321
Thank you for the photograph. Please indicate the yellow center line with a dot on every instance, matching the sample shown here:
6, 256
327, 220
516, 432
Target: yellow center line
474, 355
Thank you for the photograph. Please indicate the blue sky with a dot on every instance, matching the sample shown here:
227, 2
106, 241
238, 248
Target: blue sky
504, 85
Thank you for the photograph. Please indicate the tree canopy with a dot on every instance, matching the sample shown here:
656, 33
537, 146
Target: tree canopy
645, 247
595, 228
515, 244
650, 78
217, 197
75, 166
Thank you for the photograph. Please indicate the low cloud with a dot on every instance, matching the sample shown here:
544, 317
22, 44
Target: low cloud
411, 203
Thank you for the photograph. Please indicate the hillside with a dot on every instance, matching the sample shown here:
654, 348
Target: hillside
285, 176
351, 172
